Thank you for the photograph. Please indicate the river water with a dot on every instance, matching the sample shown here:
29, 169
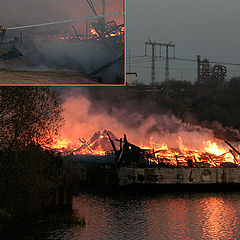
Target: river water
154, 215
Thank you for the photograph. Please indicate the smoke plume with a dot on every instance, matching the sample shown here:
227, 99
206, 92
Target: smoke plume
88, 110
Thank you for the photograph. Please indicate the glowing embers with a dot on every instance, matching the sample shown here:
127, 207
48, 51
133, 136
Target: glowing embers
97, 145
66, 36
94, 34
211, 154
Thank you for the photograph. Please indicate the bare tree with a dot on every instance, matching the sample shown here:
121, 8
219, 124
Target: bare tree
29, 118
28, 115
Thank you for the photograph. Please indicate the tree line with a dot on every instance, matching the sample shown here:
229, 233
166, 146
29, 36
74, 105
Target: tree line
30, 118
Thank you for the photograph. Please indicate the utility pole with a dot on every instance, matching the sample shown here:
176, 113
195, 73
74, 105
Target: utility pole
167, 74
103, 13
153, 66
198, 67
153, 76
160, 45
86, 28
168, 45
129, 61
153, 79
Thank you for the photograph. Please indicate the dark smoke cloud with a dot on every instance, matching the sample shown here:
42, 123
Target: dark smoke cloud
88, 110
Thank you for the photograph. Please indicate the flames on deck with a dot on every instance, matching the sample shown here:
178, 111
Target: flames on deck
94, 35
95, 30
98, 144
126, 153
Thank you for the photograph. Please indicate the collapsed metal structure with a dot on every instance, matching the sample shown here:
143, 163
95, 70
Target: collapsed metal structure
110, 34
134, 156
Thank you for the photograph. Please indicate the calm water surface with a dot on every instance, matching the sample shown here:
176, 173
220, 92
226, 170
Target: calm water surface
128, 215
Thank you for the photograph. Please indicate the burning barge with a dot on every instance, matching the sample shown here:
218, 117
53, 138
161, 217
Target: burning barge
131, 165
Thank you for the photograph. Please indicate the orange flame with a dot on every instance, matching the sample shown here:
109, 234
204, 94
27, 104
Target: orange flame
211, 152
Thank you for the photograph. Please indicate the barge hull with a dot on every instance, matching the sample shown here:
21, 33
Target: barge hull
178, 176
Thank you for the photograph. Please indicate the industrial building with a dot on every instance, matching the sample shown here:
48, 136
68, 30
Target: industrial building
131, 79
210, 76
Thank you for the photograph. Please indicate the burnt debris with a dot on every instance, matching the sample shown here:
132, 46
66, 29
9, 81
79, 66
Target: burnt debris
131, 155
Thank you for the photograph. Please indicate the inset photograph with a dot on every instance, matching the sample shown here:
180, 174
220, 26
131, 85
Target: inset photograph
75, 42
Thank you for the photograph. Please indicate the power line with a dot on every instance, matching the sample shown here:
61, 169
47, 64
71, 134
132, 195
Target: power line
194, 60
146, 59
154, 45
208, 44
186, 69
226, 63
139, 56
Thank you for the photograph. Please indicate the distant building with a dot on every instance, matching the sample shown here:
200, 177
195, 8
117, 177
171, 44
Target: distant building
212, 76
219, 73
206, 72
131, 79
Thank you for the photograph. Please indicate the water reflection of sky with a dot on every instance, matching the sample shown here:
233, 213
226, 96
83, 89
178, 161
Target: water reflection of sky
156, 216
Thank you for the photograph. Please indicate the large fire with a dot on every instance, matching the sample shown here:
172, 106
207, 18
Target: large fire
211, 152
97, 145
93, 35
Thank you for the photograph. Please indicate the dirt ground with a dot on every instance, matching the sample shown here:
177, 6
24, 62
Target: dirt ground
23, 77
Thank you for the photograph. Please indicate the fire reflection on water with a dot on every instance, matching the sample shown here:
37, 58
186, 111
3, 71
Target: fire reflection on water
211, 217
218, 215
147, 215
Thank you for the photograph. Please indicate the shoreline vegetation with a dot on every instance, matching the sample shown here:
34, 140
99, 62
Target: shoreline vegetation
35, 226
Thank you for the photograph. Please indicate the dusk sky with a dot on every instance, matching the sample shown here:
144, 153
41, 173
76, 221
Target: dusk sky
209, 28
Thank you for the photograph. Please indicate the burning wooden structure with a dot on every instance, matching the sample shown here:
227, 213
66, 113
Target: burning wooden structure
131, 155
130, 164
97, 145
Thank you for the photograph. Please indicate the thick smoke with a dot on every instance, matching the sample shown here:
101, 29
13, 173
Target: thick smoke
78, 56
93, 109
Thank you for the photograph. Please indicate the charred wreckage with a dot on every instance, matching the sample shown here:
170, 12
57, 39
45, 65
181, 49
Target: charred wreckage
134, 156
130, 165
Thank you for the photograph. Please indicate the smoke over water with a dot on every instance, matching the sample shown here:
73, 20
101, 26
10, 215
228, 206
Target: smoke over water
87, 111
